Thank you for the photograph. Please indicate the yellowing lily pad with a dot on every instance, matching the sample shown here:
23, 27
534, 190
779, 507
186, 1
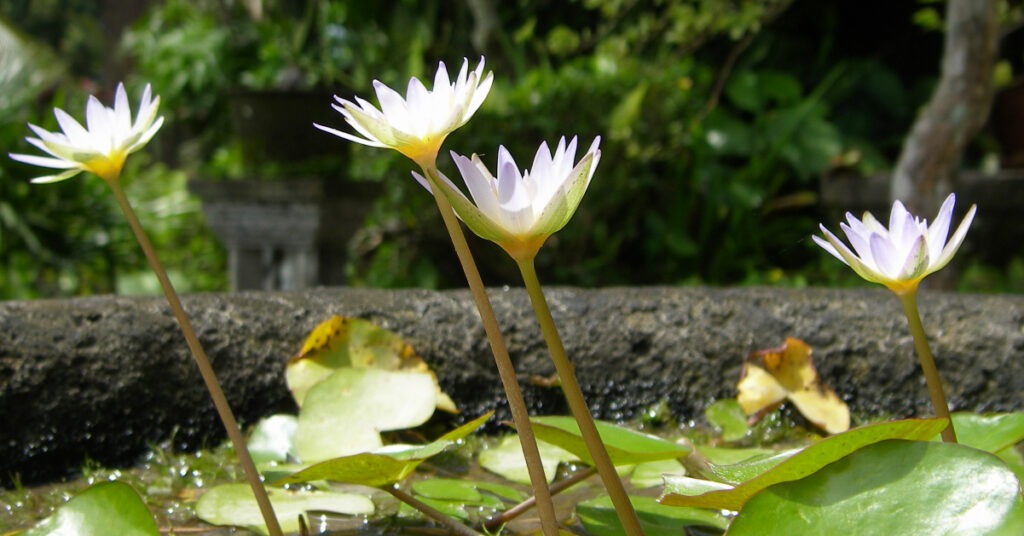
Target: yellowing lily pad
787, 372
344, 342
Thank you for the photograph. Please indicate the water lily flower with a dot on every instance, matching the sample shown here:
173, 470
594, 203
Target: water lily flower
100, 147
520, 210
417, 124
901, 255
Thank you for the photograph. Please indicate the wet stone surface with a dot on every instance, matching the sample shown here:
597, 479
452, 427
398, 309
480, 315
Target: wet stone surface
100, 378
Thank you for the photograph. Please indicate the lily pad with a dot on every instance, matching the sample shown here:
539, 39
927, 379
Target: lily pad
678, 490
345, 413
893, 487
101, 510
464, 499
384, 467
989, 432
625, 446
234, 505
344, 342
273, 439
599, 517
728, 417
506, 459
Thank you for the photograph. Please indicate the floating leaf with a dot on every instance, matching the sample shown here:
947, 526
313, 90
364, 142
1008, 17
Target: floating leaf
103, 509
273, 439
387, 466
345, 413
728, 416
893, 487
464, 499
649, 474
506, 459
771, 376
599, 517
344, 342
991, 432
235, 505
806, 462
625, 446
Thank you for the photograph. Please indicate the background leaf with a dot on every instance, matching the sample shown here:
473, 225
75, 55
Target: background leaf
234, 505
625, 446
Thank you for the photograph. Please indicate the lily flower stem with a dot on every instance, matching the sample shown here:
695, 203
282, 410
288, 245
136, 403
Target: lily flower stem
450, 523
507, 373
209, 377
924, 355
577, 404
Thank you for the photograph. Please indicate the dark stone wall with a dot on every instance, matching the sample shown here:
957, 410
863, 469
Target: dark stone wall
103, 377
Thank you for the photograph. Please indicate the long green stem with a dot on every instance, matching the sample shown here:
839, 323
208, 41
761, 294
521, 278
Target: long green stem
209, 377
924, 355
507, 373
577, 404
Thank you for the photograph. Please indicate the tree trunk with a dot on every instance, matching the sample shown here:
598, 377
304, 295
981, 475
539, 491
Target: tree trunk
926, 171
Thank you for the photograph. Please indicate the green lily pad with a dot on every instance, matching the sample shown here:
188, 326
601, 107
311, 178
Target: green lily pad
989, 432
599, 517
234, 505
103, 509
893, 487
273, 439
384, 467
727, 416
811, 459
506, 459
649, 474
625, 446
464, 499
345, 413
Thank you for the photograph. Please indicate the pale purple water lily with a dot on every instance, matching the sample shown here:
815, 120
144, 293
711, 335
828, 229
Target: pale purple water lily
102, 145
520, 210
901, 255
416, 125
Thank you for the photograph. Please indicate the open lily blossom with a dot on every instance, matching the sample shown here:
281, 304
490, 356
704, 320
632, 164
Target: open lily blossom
416, 125
901, 255
520, 210
102, 145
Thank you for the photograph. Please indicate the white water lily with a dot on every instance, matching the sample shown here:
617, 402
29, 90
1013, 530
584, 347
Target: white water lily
100, 147
416, 125
901, 255
520, 210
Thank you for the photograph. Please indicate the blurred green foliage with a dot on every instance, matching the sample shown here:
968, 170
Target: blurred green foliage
718, 119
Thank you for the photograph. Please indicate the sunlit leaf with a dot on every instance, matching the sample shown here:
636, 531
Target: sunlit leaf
599, 517
800, 465
991, 432
465, 499
728, 416
625, 446
649, 474
384, 467
343, 342
893, 487
102, 510
273, 439
235, 505
506, 459
345, 413
771, 376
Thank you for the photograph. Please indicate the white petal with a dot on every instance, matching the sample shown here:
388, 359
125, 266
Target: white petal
954, 242
916, 262
886, 257
939, 229
43, 161
349, 137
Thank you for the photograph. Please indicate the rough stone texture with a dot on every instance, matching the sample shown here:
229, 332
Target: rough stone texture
103, 377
